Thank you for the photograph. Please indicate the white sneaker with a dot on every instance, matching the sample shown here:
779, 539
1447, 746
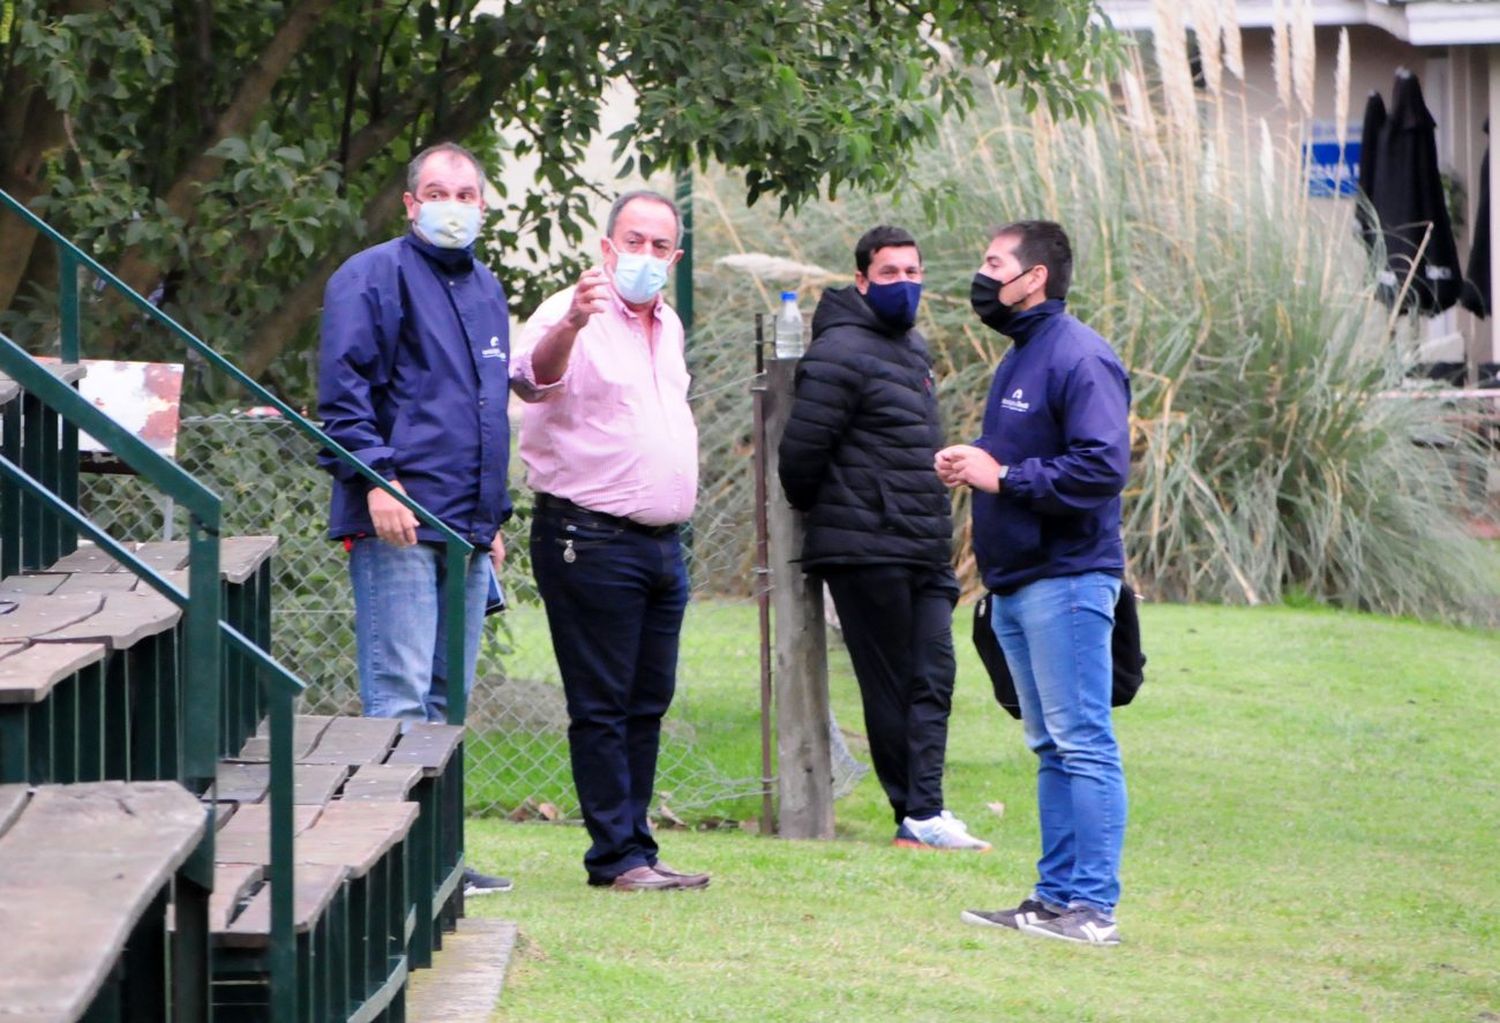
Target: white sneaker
944, 831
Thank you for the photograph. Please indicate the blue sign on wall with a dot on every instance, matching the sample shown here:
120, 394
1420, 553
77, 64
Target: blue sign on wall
1331, 172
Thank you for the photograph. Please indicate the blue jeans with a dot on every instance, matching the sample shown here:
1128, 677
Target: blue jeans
400, 627
615, 601
1056, 638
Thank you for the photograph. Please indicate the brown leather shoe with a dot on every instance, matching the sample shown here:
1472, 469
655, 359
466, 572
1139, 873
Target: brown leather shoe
686, 880
643, 879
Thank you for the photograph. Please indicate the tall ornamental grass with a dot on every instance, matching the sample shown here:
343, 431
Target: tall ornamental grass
1270, 457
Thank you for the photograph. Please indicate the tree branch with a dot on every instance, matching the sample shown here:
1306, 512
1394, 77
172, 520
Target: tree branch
140, 271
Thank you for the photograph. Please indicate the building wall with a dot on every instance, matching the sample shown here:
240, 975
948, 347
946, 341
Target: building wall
1454, 82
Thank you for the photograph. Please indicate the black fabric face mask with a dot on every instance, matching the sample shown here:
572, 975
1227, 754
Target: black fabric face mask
984, 297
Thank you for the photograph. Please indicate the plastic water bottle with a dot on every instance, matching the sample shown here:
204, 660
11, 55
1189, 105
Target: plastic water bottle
788, 328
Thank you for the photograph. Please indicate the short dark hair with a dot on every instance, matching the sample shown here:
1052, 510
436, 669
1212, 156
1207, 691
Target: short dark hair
1042, 243
883, 237
414, 169
641, 193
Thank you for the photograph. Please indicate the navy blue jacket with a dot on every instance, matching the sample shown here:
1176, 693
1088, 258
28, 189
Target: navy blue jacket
1058, 416
414, 372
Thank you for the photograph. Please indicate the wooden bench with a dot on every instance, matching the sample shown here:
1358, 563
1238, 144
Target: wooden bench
134, 734
354, 894
52, 712
33, 436
86, 874
245, 577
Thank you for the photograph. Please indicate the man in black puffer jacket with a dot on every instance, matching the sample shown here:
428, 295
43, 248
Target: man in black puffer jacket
857, 457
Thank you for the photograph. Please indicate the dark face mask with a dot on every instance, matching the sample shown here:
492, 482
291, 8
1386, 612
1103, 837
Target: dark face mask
895, 303
984, 296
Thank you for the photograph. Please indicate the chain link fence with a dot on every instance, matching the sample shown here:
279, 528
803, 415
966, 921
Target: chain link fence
266, 471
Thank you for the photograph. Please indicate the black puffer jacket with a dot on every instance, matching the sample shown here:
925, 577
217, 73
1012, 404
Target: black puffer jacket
857, 453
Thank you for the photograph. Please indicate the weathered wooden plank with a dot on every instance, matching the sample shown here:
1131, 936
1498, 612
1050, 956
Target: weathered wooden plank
124, 620
77, 871
163, 555
313, 888
352, 741
67, 372
307, 729
40, 582
12, 801
242, 783
222, 813
386, 783
97, 582
247, 836
315, 784
355, 834
428, 746
88, 557
37, 615
28, 675
240, 556
232, 883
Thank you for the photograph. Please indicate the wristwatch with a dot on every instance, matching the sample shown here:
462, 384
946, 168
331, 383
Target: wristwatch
1004, 472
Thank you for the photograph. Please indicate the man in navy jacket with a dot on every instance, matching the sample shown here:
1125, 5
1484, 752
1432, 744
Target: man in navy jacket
1047, 474
414, 375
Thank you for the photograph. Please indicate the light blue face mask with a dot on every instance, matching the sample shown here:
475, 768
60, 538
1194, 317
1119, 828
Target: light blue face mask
639, 277
448, 224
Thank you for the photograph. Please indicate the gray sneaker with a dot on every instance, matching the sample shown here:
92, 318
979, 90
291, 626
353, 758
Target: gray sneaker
1082, 925
476, 883
1032, 910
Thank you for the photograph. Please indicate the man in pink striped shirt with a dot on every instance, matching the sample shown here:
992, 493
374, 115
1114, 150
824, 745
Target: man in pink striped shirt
612, 455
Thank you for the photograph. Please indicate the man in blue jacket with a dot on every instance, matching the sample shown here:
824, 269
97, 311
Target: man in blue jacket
414, 373
1047, 474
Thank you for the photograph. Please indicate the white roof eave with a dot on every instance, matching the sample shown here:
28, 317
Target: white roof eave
1420, 22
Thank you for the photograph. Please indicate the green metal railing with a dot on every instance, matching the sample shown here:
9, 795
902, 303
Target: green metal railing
203, 632
458, 550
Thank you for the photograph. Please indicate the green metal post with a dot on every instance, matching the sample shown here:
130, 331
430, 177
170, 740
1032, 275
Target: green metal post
200, 654
67, 297
458, 626
283, 952
67, 293
10, 493
32, 516
684, 283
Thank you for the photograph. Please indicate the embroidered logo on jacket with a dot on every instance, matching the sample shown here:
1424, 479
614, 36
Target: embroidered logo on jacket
1016, 402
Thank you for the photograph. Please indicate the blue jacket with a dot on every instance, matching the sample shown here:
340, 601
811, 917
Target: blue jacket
1058, 416
414, 372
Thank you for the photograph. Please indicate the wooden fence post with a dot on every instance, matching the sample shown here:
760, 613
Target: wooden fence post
804, 767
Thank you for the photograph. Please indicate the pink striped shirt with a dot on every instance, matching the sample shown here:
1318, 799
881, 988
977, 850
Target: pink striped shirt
617, 435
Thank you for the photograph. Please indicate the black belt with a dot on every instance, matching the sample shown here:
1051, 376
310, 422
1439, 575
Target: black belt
561, 505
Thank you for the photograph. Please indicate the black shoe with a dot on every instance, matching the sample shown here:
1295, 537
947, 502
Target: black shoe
1082, 925
476, 883
1030, 911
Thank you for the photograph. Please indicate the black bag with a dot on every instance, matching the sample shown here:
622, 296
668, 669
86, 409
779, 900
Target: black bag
1125, 650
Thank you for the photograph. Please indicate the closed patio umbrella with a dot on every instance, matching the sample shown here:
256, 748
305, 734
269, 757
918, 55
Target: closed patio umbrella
1369, 141
1476, 296
1409, 201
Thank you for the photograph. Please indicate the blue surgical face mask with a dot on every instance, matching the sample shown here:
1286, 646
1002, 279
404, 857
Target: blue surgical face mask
639, 277
895, 303
448, 224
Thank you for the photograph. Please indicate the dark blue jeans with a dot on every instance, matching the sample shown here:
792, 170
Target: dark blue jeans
615, 600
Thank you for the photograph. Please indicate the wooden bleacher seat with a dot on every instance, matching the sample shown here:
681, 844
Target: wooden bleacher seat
388, 783
428, 747
82, 869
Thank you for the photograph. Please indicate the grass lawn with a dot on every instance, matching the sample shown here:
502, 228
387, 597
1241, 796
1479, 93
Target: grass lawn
1315, 806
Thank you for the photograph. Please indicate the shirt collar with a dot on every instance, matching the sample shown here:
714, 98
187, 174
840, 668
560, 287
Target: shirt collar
458, 261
